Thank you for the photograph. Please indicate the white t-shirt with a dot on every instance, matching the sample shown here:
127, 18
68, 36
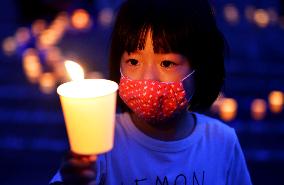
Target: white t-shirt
211, 155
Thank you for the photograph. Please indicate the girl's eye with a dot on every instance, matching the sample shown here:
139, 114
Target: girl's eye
167, 63
132, 62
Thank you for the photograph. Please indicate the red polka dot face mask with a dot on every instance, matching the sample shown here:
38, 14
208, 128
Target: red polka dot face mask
153, 100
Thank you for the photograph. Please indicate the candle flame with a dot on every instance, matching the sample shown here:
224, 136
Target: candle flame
74, 70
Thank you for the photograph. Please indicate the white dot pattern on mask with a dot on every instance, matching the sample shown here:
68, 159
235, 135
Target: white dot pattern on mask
151, 99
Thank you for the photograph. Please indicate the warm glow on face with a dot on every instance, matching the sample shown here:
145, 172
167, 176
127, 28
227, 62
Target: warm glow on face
74, 70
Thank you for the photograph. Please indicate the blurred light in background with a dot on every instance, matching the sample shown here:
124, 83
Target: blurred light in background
231, 14
80, 19
22, 35
106, 17
261, 18
228, 109
31, 65
258, 109
48, 38
276, 100
94, 75
9, 46
47, 83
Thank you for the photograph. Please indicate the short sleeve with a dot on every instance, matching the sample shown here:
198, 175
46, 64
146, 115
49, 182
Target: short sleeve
238, 172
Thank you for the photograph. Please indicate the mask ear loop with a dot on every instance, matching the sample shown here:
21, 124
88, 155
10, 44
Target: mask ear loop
121, 73
188, 75
190, 97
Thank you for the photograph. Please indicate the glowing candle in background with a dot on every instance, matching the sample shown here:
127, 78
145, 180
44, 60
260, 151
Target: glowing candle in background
258, 109
9, 45
47, 39
89, 111
276, 100
231, 14
22, 35
60, 23
80, 19
47, 83
106, 17
31, 65
228, 109
261, 18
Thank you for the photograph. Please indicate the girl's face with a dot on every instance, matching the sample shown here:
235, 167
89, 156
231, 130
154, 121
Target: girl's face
147, 65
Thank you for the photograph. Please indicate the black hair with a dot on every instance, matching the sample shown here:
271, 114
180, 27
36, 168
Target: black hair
186, 27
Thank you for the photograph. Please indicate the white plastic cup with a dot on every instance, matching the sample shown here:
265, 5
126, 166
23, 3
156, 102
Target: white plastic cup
89, 112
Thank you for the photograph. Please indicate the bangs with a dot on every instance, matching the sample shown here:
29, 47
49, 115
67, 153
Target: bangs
165, 39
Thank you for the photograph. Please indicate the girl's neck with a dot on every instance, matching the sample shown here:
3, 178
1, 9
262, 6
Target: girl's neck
175, 129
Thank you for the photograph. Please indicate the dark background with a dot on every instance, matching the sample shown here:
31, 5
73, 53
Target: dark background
32, 132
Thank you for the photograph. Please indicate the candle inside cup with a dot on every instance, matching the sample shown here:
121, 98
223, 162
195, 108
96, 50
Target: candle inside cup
89, 111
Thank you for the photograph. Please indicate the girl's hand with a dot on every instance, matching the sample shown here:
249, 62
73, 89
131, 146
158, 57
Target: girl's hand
78, 169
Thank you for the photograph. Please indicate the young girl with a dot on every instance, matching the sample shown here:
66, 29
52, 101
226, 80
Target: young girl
168, 58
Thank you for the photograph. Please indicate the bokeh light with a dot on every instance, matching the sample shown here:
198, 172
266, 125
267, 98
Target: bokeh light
276, 100
22, 35
47, 83
31, 65
231, 14
228, 109
258, 109
80, 19
9, 45
261, 18
48, 38
106, 17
